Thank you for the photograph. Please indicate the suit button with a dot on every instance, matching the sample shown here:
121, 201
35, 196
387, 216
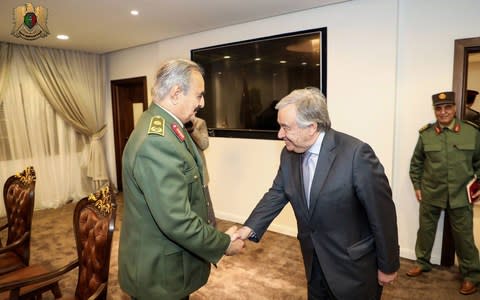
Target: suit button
195, 177
208, 221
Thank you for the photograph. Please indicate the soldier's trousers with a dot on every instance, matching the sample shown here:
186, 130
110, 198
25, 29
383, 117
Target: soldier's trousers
461, 221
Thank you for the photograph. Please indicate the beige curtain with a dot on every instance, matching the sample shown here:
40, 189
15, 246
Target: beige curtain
5, 58
32, 133
72, 82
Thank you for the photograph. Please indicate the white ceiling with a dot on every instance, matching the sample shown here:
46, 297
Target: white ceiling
102, 26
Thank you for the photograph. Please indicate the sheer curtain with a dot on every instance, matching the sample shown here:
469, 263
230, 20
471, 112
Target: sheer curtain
52, 117
5, 57
72, 83
38, 136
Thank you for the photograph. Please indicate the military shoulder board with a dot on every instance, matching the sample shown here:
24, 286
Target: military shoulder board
471, 124
425, 127
157, 126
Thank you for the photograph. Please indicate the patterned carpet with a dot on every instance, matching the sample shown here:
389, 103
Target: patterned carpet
272, 269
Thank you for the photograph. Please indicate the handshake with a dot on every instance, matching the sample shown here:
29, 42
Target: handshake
237, 239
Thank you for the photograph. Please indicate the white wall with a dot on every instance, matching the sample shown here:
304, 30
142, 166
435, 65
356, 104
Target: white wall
427, 30
134, 62
385, 59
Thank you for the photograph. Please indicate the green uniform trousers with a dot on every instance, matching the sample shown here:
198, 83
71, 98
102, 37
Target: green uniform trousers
461, 220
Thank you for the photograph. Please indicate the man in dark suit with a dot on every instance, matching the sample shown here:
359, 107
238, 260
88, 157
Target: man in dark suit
346, 218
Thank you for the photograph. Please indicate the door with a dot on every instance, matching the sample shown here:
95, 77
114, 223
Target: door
129, 100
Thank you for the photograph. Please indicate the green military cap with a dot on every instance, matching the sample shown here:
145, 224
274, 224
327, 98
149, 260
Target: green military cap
443, 98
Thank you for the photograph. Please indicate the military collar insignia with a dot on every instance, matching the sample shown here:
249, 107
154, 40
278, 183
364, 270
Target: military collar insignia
456, 128
178, 132
157, 126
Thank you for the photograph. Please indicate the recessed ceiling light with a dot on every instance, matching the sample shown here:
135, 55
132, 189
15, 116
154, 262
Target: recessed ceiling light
226, 56
304, 63
258, 59
62, 37
283, 61
134, 12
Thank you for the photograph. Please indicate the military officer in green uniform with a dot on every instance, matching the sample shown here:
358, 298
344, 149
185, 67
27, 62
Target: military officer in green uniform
445, 159
166, 245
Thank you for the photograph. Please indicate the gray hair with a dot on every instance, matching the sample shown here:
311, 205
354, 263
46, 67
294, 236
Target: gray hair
174, 72
311, 107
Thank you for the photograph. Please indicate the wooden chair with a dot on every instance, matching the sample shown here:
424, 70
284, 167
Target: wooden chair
93, 223
19, 199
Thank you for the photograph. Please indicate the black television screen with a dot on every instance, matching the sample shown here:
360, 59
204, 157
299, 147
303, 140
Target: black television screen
244, 80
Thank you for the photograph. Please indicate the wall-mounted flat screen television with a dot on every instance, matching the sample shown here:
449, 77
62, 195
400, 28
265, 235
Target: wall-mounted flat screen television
244, 80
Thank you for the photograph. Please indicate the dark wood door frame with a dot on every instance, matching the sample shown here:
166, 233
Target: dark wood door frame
460, 69
125, 92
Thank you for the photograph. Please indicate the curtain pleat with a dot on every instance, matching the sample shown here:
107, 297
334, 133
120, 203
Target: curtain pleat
5, 58
72, 83
53, 112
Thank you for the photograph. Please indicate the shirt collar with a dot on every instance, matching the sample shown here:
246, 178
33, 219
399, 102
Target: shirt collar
315, 148
451, 125
171, 114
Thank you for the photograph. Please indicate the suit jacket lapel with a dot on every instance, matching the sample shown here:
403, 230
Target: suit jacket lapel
324, 163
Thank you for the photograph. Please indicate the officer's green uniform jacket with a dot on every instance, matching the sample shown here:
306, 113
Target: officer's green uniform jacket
166, 245
444, 161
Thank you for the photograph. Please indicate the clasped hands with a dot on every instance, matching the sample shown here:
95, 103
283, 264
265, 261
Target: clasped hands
237, 239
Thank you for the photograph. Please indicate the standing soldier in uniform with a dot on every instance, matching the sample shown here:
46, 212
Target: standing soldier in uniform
446, 158
166, 245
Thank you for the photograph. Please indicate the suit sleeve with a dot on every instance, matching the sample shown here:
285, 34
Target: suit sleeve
373, 190
416, 165
166, 188
269, 206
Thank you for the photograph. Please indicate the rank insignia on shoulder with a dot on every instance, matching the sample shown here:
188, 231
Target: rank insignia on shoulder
178, 132
157, 126
425, 127
472, 124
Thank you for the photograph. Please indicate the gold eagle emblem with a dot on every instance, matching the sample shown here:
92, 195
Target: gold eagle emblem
30, 23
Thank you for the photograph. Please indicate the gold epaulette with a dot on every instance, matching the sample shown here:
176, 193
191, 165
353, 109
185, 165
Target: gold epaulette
474, 125
157, 126
425, 127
